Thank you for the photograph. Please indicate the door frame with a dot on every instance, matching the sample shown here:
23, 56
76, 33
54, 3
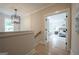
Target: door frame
68, 26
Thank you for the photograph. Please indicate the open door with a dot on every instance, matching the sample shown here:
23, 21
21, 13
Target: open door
56, 30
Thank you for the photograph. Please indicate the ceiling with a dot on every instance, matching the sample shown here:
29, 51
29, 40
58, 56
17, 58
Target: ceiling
23, 8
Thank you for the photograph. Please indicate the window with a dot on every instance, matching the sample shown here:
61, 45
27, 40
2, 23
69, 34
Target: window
9, 26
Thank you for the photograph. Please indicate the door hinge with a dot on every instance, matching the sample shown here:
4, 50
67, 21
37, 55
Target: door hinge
46, 19
66, 43
66, 16
45, 29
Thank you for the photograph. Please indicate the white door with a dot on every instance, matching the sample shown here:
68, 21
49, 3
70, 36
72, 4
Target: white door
56, 30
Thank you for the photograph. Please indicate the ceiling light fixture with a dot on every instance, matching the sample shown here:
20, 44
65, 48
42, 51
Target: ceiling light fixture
15, 18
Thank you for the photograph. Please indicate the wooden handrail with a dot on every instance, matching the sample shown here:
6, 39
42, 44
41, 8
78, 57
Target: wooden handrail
38, 34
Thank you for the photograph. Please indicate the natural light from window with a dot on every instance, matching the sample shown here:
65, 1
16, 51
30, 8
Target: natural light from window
9, 27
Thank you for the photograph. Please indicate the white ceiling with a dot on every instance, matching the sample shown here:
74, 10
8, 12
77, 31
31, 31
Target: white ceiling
23, 8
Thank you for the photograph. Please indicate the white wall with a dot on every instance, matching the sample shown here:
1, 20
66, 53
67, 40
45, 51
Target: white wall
75, 35
25, 23
36, 22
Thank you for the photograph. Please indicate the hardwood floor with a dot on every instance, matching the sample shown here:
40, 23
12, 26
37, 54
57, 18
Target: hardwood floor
42, 49
57, 51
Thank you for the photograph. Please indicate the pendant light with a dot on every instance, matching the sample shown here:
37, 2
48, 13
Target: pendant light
15, 18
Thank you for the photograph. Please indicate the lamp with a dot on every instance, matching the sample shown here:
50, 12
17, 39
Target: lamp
15, 18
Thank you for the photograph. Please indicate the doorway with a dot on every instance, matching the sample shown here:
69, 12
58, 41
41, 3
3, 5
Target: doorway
56, 33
